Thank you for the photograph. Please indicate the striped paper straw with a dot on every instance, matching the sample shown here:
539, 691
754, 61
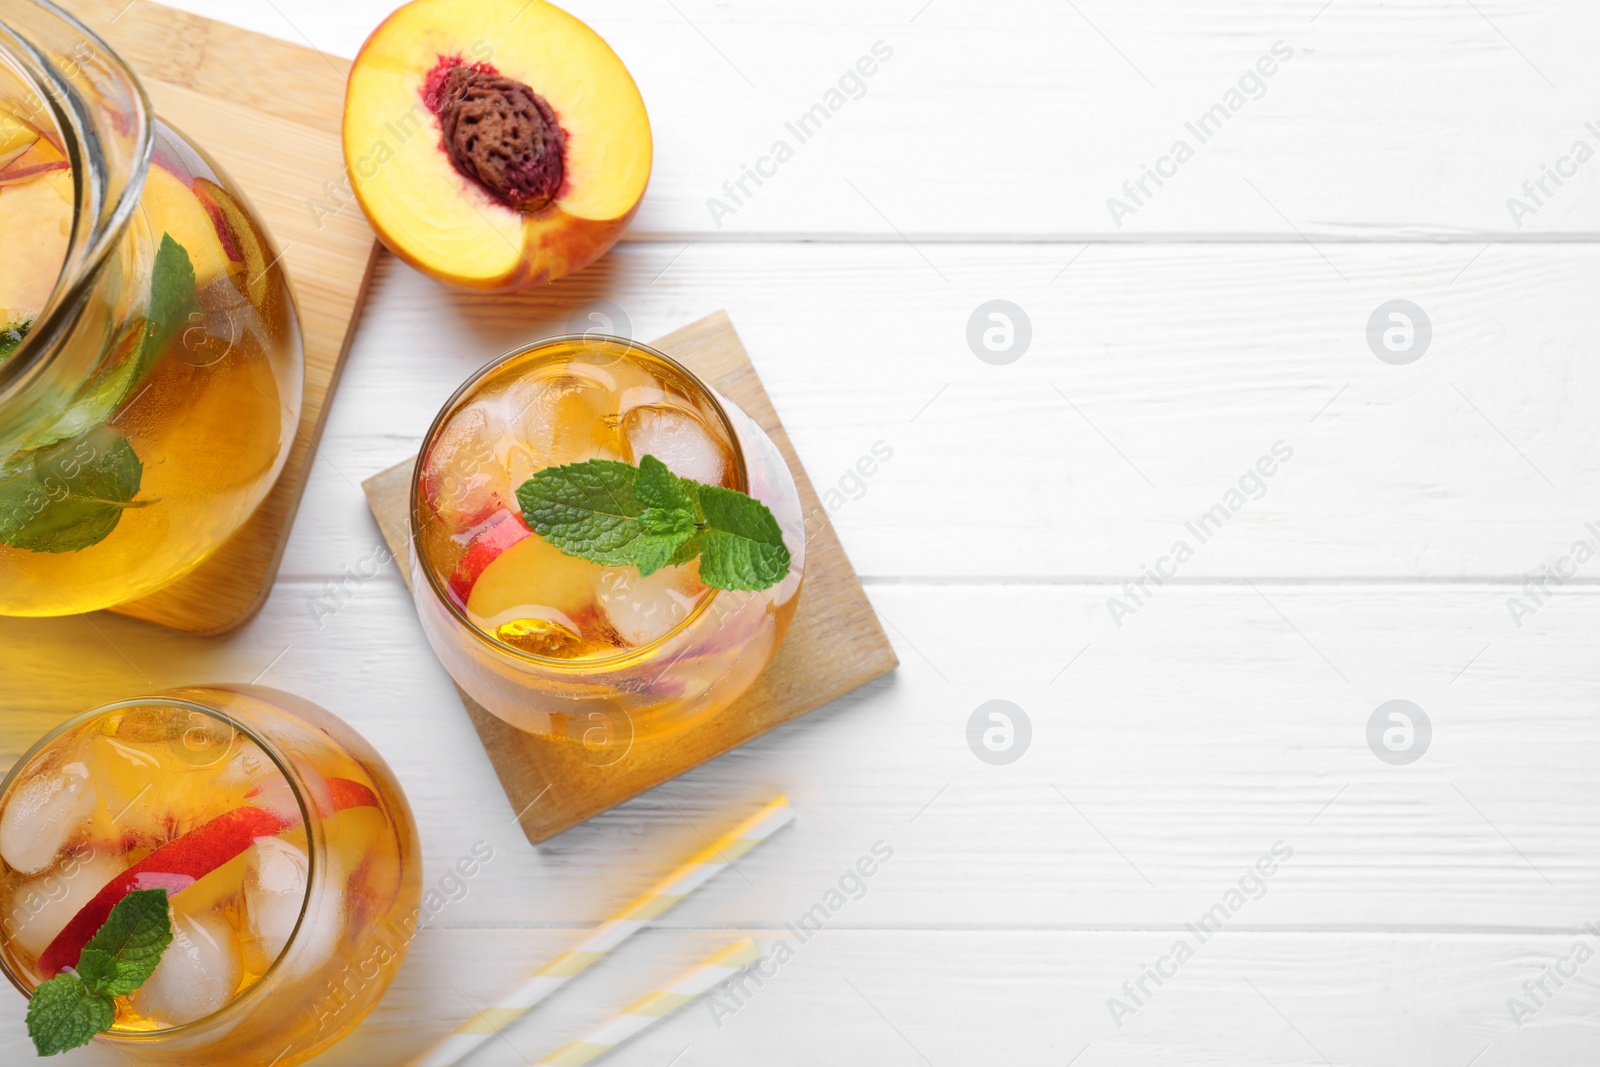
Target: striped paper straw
651, 1009
608, 935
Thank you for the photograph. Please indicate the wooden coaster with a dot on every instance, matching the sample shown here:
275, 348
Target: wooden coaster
834, 645
270, 113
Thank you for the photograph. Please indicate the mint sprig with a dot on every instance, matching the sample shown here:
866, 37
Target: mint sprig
71, 1008
618, 515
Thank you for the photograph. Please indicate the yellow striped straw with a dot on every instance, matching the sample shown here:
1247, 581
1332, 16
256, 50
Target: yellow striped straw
651, 1009
608, 935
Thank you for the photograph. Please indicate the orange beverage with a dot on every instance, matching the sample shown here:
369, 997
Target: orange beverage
150, 357
595, 656
284, 842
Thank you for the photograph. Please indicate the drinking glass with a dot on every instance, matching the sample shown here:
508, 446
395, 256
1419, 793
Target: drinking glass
592, 656
285, 843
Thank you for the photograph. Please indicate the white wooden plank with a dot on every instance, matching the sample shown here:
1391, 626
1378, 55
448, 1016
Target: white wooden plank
1165, 757
920, 997
1156, 378
970, 997
1024, 117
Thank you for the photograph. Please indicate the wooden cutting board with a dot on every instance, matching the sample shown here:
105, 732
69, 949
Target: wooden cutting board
833, 646
270, 113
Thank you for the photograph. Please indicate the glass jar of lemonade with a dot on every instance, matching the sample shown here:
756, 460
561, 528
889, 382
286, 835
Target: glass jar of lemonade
150, 359
576, 645
284, 843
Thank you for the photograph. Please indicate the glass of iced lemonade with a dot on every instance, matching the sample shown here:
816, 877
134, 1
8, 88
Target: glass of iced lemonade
604, 550
282, 839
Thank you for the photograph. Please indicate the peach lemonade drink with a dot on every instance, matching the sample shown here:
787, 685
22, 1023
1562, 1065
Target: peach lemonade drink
213, 875
150, 368
604, 550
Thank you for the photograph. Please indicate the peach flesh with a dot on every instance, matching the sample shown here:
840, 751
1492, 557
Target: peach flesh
551, 150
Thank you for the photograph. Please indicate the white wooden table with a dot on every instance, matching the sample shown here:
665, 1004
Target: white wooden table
1171, 347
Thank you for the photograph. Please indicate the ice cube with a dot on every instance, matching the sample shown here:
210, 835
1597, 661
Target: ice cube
249, 769
140, 804
42, 906
198, 973
676, 437
642, 609
637, 396
605, 377
464, 479
42, 815
277, 796
559, 419
320, 935
274, 893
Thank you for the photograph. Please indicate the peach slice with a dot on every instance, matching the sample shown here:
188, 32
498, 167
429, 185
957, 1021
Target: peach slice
36, 157
238, 234
494, 144
530, 575
16, 143
36, 205
525, 591
171, 207
17, 135
502, 532
510, 569
220, 222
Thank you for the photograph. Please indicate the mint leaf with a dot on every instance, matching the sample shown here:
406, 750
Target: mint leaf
64, 1014
686, 551
657, 487
136, 351
616, 515
654, 551
742, 544
70, 495
119, 958
110, 384
69, 1009
587, 510
665, 531
97, 969
669, 522
134, 355
172, 297
11, 336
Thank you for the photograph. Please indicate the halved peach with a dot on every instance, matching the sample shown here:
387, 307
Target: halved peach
494, 144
